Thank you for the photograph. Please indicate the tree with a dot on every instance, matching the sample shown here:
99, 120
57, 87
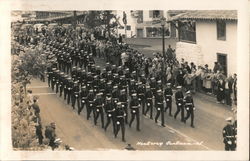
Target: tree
101, 18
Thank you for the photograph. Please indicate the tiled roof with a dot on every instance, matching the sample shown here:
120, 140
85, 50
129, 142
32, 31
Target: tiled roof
230, 15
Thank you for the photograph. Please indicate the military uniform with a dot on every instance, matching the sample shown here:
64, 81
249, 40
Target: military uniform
69, 91
99, 109
229, 136
149, 101
179, 103
75, 95
110, 107
83, 96
189, 105
168, 97
120, 122
135, 112
159, 106
124, 103
90, 103
141, 96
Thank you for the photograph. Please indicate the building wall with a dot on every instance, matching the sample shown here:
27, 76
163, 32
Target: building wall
207, 46
206, 37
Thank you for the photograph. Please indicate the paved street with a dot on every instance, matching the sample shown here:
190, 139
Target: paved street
81, 134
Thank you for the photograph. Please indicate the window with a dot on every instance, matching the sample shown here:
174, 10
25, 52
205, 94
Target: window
221, 30
155, 14
128, 27
187, 31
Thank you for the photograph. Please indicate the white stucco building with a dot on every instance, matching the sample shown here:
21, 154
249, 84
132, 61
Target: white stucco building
143, 23
206, 37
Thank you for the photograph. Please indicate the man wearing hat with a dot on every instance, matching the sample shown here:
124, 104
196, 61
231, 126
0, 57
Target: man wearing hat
189, 105
90, 103
89, 80
132, 87
115, 94
74, 73
149, 101
141, 95
99, 108
50, 133
110, 111
70, 87
53, 81
168, 97
229, 135
49, 74
153, 85
83, 96
124, 101
135, 112
56, 80
179, 103
120, 122
159, 107
75, 95
62, 82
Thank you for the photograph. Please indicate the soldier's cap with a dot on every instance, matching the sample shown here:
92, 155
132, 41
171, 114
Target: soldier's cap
113, 65
127, 69
68, 78
168, 84
74, 67
98, 66
57, 71
93, 65
89, 73
95, 76
115, 87
109, 72
75, 82
99, 94
123, 90
142, 75
115, 74
119, 67
188, 92
108, 98
79, 68
107, 63
101, 79
159, 81
229, 119
134, 95
140, 83
61, 73
109, 83
152, 78
83, 87
53, 68
122, 76
159, 91
148, 87
133, 72
119, 104
91, 90
179, 87
83, 70
132, 80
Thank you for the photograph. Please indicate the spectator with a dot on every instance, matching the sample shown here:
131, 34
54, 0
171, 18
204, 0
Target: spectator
221, 90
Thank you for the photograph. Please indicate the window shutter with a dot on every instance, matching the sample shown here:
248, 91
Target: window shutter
151, 14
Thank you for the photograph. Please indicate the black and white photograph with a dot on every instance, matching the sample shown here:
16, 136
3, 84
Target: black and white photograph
136, 80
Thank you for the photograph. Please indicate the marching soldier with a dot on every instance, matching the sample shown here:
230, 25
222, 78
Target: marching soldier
120, 122
68, 61
53, 81
57, 77
141, 96
49, 74
229, 135
124, 101
75, 95
132, 87
69, 91
110, 107
96, 83
168, 97
179, 103
115, 94
135, 112
189, 105
62, 83
159, 106
149, 101
99, 109
74, 73
108, 89
89, 80
153, 85
65, 91
83, 96
90, 103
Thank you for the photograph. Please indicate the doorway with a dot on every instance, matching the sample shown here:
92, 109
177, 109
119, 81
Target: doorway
139, 33
222, 59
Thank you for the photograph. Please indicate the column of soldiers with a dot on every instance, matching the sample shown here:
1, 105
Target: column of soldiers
115, 92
